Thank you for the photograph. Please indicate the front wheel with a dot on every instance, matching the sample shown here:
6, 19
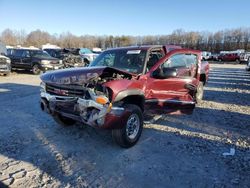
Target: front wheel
131, 131
35, 69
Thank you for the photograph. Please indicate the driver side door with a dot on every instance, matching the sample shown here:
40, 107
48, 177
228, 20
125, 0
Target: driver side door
173, 93
26, 59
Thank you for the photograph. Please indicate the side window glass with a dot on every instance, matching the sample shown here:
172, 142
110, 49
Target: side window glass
18, 53
177, 60
26, 53
191, 60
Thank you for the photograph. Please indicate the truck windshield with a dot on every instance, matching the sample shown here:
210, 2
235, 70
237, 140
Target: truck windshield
41, 54
129, 60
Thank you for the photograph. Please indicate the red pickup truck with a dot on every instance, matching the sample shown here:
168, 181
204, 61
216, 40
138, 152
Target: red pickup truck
229, 57
121, 85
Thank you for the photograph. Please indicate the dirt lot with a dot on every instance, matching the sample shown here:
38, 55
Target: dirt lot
174, 151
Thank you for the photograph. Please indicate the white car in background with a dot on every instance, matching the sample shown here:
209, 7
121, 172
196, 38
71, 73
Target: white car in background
206, 55
87, 55
245, 57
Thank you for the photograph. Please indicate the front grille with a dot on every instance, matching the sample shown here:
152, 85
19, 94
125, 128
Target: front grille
2, 60
4, 66
62, 90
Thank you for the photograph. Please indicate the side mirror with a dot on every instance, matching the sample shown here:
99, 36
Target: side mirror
163, 73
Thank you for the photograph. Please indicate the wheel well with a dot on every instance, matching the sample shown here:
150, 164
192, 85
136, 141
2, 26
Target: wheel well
135, 99
203, 78
34, 63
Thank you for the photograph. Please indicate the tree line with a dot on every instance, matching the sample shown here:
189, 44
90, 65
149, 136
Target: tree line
228, 39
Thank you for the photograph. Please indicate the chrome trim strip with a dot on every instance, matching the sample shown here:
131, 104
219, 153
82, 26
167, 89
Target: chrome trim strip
170, 101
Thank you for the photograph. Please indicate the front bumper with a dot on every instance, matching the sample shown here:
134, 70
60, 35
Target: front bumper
5, 68
85, 111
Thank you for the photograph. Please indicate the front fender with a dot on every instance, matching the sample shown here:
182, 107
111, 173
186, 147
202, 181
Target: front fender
130, 92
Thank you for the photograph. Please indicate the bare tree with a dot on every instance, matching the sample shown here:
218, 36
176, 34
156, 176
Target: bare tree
38, 38
230, 39
8, 37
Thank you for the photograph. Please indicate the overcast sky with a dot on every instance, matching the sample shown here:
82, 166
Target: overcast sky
123, 17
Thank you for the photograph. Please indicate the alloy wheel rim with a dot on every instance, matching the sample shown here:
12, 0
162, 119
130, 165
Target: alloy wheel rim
35, 69
132, 127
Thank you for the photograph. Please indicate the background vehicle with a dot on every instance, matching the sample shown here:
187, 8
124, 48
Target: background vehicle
229, 57
97, 50
87, 55
34, 60
245, 57
206, 55
5, 62
121, 84
69, 57
214, 56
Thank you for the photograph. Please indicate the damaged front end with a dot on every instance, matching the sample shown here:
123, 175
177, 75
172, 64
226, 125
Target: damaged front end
82, 96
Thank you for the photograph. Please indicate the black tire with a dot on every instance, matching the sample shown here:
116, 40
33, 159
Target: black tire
237, 61
199, 93
36, 70
121, 136
64, 121
7, 74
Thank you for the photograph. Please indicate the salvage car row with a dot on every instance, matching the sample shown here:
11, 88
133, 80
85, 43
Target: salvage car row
38, 61
238, 56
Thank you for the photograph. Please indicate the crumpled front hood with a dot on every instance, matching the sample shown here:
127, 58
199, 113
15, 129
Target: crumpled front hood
77, 76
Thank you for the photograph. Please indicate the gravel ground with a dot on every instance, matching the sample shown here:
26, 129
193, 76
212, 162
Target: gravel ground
174, 151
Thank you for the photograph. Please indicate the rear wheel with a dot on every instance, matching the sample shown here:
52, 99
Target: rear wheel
237, 61
35, 69
199, 93
131, 131
64, 121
